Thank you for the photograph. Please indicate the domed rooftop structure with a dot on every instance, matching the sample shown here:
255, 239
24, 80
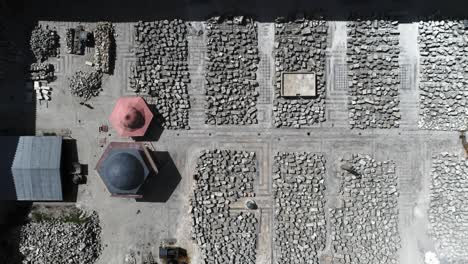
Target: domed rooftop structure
133, 119
124, 171
124, 168
131, 116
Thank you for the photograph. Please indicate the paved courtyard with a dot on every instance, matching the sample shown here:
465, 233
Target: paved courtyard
129, 225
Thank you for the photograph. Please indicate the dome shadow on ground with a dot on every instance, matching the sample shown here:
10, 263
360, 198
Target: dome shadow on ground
159, 188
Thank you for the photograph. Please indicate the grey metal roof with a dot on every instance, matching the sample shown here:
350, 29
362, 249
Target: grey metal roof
35, 168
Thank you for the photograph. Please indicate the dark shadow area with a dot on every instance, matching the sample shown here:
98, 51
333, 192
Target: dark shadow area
159, 188
262, 10
13, 214
155, 128
69, 156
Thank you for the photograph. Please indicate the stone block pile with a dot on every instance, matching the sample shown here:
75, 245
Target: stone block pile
364, 221
41, 72
443, 50
44, 43
231, 71
300, 227
161, 69
448, 208
300, 46
222, 178
58, 241
86, 84
104, 48
373, 73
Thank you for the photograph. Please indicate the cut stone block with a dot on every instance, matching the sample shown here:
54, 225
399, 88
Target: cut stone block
298, 84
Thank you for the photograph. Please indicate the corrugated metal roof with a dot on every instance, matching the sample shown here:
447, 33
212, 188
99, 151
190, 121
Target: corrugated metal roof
35, 168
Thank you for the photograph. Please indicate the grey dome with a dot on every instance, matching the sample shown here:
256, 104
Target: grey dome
124, 171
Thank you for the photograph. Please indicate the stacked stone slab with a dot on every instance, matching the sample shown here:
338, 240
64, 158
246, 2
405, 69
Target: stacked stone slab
222, 177
300, 46
443, 84
41, 72
161, 69
231, 71
364, 223
373, 71
300, 228
104, 42
448, 208
44, 43
56, 241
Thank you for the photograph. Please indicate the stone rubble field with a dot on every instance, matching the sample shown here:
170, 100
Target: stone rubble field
364, 224
373, 71
222, 178
443, 83
161, 69
448, 207
300, 228
231, 71
300, 46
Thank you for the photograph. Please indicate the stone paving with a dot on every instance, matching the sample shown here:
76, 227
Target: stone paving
448, 213
373, 63
300, 47
444, 78
128, 225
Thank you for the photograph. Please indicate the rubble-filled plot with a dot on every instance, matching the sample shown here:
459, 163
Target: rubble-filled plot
443, 84
222, 177
72, 239
364, 223
44, 43
231, 71
104, 47
300, 228
448, 208
300, 46
373, 69
161, 69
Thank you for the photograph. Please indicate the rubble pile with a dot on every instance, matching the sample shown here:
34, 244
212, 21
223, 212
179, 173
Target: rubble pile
86, 84
231, 71
161, 69
69, 40
364, 221
222, 177
104, 42
58, 241
448, 215
300, 228
443, 84
44, 43
300, 46
41, 72
373, 71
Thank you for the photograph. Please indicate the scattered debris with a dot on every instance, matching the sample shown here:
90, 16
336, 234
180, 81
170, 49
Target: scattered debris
231, 71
